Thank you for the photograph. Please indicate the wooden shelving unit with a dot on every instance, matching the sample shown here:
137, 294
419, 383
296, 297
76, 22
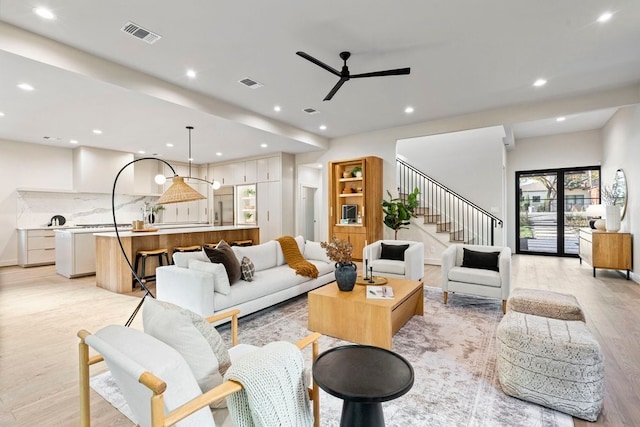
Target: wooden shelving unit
365, 192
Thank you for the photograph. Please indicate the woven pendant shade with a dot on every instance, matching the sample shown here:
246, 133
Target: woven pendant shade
179, 191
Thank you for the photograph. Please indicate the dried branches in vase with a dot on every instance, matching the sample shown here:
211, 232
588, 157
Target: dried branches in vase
338, 250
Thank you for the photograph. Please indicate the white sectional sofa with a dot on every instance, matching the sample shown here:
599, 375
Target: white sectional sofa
196, 284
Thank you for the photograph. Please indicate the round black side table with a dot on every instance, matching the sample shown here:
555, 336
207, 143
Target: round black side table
363, 376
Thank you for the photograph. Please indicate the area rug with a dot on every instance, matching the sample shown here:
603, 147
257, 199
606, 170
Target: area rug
452, 351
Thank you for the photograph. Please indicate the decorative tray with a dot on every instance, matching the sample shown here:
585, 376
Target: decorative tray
144, 230
377, 280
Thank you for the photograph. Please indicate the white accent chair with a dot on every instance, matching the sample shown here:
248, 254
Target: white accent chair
476, 281
412, 268
156, 381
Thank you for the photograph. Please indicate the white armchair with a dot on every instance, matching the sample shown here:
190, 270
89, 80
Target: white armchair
157, 382
473, 279
411, 267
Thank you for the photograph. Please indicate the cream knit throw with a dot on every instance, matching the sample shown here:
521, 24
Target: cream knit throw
274, 392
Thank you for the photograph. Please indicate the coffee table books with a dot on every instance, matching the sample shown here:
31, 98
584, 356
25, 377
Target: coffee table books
379, 292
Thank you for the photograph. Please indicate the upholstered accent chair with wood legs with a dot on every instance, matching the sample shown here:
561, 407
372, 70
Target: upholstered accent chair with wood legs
400, 259
171, 395
487, 272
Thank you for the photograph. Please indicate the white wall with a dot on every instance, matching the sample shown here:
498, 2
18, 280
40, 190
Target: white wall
621, 150
555, 151
27, 166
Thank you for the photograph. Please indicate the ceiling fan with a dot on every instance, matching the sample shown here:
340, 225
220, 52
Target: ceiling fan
345, 75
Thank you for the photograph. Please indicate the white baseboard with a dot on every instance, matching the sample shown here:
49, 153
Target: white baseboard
433, 261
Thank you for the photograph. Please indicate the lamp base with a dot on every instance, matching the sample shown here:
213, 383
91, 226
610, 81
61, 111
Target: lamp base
600, 224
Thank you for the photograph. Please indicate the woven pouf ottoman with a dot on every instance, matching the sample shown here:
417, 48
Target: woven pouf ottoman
552, 362
545, 304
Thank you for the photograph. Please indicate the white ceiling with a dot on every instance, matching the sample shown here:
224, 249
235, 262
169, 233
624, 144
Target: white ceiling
465, 57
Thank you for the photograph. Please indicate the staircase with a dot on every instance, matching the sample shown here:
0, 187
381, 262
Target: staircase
444, 214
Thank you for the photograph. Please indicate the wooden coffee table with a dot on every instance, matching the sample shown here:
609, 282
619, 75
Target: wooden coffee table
353, 317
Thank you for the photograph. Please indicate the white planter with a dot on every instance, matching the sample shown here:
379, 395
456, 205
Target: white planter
612, 218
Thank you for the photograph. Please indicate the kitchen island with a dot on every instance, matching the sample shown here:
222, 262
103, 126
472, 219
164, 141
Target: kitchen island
112, 271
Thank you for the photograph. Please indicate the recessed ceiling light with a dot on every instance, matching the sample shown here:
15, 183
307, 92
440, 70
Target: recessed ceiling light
25, 86
1, 114
43, 12
408, 110
561, 119
97, 131
190, 159
73, 141
323, 127
276, 108
140, 151
263, 145
605, 17
218, 154
319, 165
169, 144
540, 82
191, 74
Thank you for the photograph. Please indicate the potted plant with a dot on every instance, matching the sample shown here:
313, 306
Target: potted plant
609, 196
340, 251
356, 172
398, 214
248, 216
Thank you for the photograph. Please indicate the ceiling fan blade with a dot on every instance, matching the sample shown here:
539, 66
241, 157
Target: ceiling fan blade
396, 72
335, 89
318, 63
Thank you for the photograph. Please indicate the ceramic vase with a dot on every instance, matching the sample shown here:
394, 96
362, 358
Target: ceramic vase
612, 218
346, 273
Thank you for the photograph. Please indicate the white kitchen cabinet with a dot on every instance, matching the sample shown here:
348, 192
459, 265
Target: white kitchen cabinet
76, 253
36, 247
238, 173
268, 169
224, 174
269, 210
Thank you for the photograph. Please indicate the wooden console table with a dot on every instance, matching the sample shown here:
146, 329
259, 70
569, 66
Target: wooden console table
112, 271
602, 249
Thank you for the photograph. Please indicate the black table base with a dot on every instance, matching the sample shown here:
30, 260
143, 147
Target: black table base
356, 414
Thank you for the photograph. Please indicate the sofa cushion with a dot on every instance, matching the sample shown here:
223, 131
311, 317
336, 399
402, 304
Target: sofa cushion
265, 282
190, 335
313, 250
388, 266
280, 255
223, 254
393, 252
475, 275
181, 259
247, 269
263, 255
482, 260
220, 278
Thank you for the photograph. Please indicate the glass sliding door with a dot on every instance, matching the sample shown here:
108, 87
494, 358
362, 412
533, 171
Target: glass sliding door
551, 208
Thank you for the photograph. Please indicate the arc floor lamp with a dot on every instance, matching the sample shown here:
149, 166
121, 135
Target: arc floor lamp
178, 192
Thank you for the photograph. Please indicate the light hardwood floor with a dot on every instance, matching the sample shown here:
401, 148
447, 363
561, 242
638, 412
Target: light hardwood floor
40, 313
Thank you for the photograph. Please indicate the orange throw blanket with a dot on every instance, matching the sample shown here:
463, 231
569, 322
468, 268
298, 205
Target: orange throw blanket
294, 258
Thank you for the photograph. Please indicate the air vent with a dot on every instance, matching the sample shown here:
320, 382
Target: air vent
143, 34
250, 83
310, 110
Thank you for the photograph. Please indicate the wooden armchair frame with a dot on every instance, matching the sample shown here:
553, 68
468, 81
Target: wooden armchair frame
158, 387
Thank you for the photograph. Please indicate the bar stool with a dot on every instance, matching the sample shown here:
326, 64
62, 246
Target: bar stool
161, 254
193, 248
247, 242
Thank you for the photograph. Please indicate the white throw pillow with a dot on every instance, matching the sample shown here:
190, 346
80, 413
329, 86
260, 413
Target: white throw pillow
263, 255
220, 278
190, 335
181, 259
313, 250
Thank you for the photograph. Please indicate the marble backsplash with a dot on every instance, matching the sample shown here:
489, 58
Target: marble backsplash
36, 208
